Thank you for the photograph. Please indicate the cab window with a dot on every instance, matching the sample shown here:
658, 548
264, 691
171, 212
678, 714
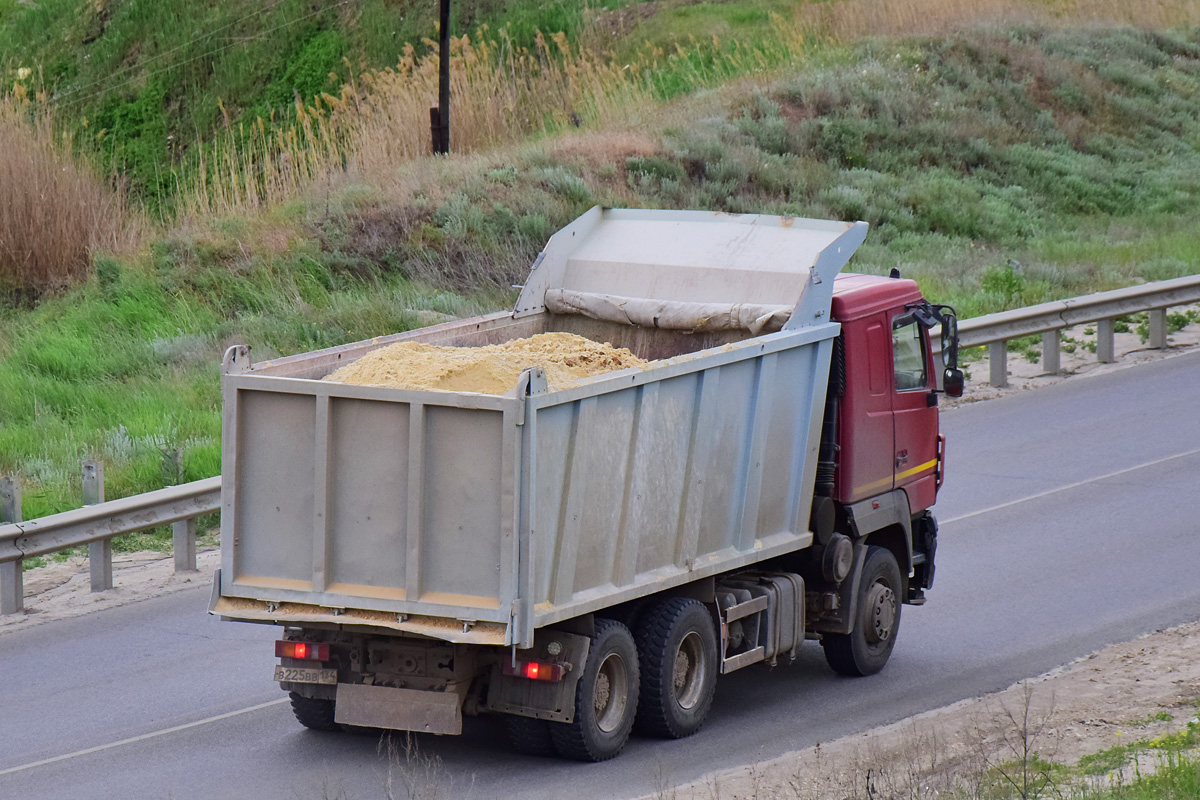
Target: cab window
908, 348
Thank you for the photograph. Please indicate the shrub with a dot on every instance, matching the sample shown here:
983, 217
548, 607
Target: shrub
53, 209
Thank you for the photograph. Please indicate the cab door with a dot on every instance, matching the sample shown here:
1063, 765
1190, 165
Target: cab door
915, 413
866, 429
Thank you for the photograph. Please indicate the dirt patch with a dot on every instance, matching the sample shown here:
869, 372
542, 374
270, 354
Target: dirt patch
61, 590
595, 150
1133, 692
491, 369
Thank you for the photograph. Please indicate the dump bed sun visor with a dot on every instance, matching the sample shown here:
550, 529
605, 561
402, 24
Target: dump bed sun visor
691, 270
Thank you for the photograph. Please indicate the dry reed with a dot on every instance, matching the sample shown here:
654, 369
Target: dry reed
853, 19
54, 211
499, 94
502, 94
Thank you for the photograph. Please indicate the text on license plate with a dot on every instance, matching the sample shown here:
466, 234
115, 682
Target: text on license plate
305, 675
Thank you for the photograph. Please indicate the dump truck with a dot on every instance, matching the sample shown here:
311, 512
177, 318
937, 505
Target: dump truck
588, 560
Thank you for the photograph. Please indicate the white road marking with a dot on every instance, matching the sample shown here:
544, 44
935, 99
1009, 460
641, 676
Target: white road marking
239, 712
1068, 487
141, 738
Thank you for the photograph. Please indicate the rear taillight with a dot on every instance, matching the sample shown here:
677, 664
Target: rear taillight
533, 670
304, 650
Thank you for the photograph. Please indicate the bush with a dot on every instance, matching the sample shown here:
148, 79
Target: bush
53, 210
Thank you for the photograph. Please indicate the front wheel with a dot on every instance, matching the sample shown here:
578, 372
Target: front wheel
606, 698
866, 649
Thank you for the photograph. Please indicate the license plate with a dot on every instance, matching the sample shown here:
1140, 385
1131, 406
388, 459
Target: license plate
305, 675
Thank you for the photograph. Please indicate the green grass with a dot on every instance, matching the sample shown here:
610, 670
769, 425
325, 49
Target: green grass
138, 81
1175, 777
1089, 177
1120, 755
1107, 760
1150, 719
747, 22
125, 368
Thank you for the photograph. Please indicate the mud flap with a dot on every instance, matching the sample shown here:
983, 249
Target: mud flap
550, 700
398, 709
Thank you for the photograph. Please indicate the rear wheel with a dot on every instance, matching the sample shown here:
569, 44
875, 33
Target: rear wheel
313, 713
606, 698
677, 645
529, 736
877, 621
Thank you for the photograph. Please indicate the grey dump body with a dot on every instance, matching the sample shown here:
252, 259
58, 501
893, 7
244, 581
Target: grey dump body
479, 518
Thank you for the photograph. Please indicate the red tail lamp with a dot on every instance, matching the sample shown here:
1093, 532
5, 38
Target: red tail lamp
302, 650
533, 670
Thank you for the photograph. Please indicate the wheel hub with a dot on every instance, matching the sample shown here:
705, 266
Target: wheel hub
881, 608
681, 669
603, 692
690, 673
609, 694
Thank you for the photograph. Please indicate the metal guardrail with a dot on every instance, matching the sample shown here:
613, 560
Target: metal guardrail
1049, 319
98, 522
95, 525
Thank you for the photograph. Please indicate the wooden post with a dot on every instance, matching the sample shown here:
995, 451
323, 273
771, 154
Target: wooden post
440, 122
12, 586
99, 553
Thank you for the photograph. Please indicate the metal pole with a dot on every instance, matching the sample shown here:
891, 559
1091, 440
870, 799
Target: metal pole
1105, 351
1051, 349
183, 537
1158, 328
998, 364
441, 123
12, 585
99, 553
183, 532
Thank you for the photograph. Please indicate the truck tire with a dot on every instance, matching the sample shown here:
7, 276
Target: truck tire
314, 713
877, 620
677, 646
606, 698
529, 736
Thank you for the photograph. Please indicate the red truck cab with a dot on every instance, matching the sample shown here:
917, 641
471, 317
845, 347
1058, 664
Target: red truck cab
882, 454
889, 394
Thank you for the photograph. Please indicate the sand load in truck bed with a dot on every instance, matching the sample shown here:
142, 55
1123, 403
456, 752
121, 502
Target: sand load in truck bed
492, 369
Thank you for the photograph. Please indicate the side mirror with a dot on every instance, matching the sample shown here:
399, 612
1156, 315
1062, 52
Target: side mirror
950, 339
953, 382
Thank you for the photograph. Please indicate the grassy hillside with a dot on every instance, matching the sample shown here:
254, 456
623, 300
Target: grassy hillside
141, 80
1075, 151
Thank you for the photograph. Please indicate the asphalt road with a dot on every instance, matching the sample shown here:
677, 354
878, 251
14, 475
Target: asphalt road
1069, 523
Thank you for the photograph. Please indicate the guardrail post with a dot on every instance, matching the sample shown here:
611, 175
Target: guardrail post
1105, 351
1051, 352
12, 585
183, 536
99, 553
1158, 328
998, 364
183, 533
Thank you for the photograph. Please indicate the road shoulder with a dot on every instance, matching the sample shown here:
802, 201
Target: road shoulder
1128, 702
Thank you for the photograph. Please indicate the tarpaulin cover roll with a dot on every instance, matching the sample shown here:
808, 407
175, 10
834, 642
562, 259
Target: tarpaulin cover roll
670, 314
